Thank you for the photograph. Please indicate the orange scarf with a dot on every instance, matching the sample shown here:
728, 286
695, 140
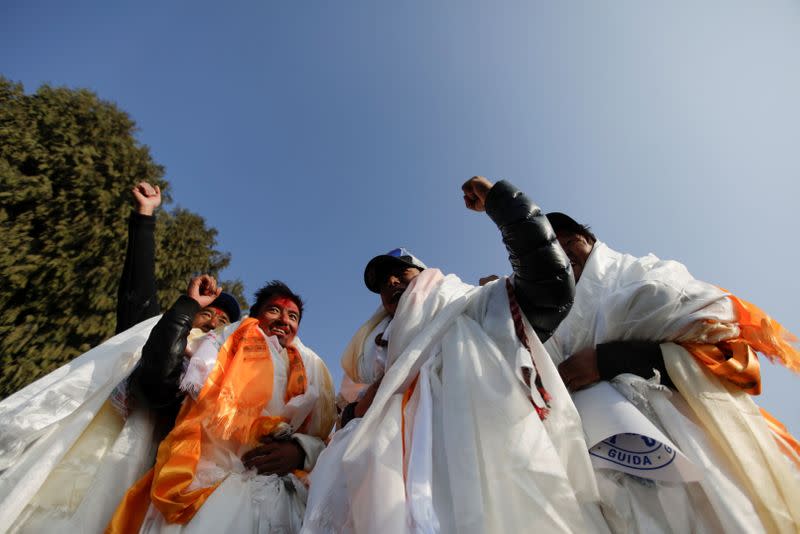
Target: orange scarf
735, 360
229, 406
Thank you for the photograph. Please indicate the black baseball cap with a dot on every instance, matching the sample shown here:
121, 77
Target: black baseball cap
561, 222
377, 265
227, 303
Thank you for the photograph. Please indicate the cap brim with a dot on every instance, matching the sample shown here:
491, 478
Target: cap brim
376, 266
227, 303
561, 221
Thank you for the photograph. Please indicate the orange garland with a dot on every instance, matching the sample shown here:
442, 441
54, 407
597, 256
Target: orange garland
733, 360
786, 442
229, 406
736, 361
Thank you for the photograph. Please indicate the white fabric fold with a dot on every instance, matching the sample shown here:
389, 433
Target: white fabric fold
620, 297
40, 423
742, 444
477, 457
244, 500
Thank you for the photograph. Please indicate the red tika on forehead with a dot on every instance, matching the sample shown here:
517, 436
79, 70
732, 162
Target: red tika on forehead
283, 302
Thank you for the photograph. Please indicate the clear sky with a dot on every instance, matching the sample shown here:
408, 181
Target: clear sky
314, 135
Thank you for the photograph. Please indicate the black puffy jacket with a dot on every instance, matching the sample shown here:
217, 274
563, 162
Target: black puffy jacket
543, 281
154, 383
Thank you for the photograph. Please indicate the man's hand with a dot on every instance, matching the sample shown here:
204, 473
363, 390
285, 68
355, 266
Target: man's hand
486, 279
278, 457
148, 198
203, 289
580, 370
475, 190
366, 401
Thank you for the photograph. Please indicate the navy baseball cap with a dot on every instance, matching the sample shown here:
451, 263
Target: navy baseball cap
378, 264
561, 222
227, 303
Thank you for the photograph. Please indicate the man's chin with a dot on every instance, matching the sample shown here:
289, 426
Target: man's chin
283, 340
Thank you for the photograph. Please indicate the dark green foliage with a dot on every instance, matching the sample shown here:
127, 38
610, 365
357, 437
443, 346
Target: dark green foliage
67, 163
190, 244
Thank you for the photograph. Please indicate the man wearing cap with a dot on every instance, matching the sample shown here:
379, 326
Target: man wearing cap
154, 383
77, 491
457, 419
637, 318
258, 405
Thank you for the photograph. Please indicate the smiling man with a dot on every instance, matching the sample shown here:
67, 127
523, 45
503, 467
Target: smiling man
259, 405
461, 423
278, 311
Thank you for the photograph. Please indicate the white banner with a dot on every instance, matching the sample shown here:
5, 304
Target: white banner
620, 437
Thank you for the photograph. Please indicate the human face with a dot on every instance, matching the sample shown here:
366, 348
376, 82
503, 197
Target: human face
280, 317
577, 248
395, 281
210, 318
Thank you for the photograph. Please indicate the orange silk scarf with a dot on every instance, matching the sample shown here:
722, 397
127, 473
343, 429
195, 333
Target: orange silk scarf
786, 442
229, 406
735, 360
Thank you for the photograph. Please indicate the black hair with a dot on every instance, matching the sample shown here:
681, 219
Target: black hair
562, 222
275, 288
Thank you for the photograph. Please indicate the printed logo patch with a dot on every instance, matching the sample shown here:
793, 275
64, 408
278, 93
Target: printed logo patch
634, 451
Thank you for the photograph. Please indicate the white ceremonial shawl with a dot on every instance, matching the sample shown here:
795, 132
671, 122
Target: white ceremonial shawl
40, 423
245, 501
67, 459
317, 401
477, 456
734, 423
621, 297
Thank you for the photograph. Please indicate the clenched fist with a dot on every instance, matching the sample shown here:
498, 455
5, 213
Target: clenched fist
148, 198
203, 289
475, 190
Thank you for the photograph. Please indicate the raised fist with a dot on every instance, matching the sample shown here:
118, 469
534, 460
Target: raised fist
148, 198
203, 289
475, 190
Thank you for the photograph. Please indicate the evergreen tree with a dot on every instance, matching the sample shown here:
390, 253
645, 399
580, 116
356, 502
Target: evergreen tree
67, 163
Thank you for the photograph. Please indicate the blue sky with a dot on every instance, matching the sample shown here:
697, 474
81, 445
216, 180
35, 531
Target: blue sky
328, 132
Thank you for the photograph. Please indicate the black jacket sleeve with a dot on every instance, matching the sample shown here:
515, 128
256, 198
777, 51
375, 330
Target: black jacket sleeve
636, 357
155, 381
136, 297
543, 280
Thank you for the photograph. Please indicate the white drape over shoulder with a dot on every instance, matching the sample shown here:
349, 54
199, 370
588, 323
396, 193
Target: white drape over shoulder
621, 297
245, 501
477, 457
60, 441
